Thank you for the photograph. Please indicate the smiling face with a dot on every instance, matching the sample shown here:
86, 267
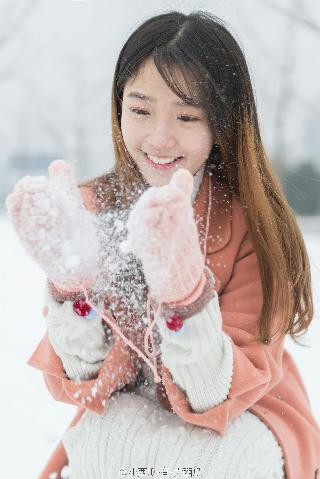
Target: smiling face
160, 131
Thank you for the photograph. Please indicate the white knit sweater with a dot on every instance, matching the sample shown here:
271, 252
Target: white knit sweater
137, 437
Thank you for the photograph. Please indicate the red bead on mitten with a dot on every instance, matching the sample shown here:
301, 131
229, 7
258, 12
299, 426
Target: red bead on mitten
163, 234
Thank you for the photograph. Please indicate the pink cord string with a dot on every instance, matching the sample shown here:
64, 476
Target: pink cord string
208, 221
107, 318
148, 334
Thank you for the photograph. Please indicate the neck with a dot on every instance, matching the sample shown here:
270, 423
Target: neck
197, 182
196, 185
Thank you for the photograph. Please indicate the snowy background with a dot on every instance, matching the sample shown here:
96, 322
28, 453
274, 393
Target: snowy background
31, 421
57, 60
56, 66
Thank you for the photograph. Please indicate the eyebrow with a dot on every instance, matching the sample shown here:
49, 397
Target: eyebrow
141, 96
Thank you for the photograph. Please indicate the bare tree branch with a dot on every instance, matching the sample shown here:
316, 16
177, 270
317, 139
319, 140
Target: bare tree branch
9, 27
11, 31
286, 92
263, 50
22, 62
294, 15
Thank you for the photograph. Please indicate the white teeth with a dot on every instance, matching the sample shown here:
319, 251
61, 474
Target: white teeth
163, 160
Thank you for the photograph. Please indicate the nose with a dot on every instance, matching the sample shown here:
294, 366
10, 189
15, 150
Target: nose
161, 139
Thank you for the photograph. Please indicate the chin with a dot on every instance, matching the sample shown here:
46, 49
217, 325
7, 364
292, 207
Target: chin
161, 178
156, 177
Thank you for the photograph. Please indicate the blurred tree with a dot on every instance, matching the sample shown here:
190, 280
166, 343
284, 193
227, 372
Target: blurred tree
299, 15
302, 188
13, 16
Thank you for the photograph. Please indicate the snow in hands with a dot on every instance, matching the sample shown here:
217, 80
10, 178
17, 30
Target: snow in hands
163, 235
54, 227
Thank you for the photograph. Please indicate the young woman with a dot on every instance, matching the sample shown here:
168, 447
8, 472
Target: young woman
174, 279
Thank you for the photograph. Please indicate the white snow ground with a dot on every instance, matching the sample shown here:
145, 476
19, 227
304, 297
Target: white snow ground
31, 421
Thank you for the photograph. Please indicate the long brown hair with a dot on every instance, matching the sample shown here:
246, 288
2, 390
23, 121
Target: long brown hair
200, 48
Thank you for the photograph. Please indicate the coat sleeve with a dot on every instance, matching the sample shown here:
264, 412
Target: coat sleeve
257, 367
119, 369
46, 360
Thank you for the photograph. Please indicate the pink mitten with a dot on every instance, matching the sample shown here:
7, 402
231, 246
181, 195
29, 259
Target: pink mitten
163, 234
55, 228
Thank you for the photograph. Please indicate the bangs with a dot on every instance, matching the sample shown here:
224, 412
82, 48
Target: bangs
184, 77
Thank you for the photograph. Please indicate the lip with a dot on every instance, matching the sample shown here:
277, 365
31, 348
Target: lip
167, 166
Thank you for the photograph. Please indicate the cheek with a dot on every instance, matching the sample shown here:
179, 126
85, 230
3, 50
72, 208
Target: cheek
130, 131
199, 142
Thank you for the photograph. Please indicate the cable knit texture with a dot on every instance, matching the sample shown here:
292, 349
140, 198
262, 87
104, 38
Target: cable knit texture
82, 344
200, 357
135, 432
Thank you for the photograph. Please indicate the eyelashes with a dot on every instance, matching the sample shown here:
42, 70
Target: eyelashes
138, 111
184, 118
188, 118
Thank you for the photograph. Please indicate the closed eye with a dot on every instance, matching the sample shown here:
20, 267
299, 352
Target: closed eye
187, 118
138, 111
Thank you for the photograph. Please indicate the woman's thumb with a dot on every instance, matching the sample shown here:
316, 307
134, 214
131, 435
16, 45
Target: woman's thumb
61, 173
58, 167
183, 180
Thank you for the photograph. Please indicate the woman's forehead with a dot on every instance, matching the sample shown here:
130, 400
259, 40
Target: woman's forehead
148, 85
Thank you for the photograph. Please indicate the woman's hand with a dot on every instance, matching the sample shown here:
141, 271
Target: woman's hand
55, 228
164, 235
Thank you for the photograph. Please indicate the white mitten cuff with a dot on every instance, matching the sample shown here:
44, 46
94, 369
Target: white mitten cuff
75, 335
76, 368
200, 357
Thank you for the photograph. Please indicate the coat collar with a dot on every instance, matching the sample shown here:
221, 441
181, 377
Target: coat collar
219, 233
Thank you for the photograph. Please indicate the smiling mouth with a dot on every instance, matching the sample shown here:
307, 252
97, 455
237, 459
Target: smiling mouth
162, 161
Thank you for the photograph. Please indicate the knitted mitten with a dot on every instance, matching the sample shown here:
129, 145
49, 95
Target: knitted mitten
99, 380
55, 228
82, 336
89, 348
163, 234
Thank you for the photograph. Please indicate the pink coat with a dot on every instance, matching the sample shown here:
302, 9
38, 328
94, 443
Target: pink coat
265, 378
